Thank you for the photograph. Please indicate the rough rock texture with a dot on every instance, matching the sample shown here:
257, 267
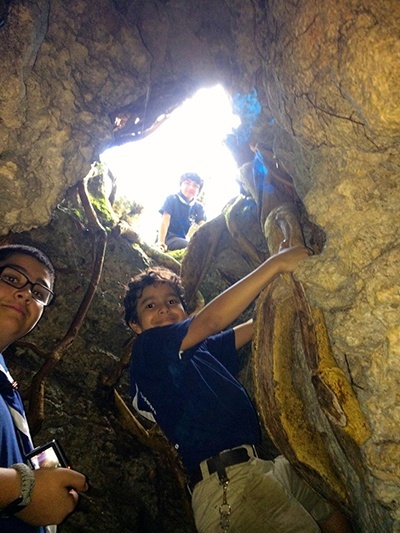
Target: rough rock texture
340, 102
326, 74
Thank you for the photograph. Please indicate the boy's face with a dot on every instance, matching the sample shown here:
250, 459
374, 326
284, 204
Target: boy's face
190, 189
19, 312
158, 306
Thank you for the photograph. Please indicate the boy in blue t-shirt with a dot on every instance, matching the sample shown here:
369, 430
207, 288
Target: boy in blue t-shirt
180, 212
182, 377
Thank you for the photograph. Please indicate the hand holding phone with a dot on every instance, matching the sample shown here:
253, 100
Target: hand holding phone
45, 459
54, 497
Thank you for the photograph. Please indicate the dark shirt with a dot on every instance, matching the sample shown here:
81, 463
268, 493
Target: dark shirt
183, 214
193, 396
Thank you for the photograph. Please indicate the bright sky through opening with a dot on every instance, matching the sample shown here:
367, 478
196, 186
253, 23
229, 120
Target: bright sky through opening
191, 140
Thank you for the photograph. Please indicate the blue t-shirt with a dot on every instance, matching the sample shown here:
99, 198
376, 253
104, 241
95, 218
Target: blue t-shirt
193, 395
10, 453
183, 215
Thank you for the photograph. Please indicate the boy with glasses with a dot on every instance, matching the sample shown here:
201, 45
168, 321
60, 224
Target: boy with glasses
29, 499
179, 212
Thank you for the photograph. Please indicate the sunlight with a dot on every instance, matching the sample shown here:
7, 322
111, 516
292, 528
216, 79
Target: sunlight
191, 140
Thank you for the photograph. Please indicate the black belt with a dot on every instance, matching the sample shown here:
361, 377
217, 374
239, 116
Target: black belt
218, 463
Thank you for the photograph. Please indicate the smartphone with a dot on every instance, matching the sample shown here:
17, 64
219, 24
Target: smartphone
49, 455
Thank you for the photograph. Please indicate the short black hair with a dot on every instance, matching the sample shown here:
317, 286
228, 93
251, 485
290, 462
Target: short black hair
192, 176
21, 249
144, 279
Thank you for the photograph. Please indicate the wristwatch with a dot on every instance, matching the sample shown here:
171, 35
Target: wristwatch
25, 493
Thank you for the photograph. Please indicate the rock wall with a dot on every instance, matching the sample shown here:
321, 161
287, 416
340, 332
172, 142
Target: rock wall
326, 75
332, 86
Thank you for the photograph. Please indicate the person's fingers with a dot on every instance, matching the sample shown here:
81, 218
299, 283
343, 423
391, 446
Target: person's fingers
75, 497
75, 480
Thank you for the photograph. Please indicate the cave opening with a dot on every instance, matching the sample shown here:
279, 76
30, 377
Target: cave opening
191, 139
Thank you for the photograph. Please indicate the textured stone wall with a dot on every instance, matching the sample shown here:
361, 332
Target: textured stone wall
333, 86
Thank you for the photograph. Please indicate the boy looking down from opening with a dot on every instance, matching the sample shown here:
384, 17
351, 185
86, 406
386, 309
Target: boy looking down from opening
180, 212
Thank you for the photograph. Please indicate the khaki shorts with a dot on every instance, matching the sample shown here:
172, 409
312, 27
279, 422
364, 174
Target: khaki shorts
264, 496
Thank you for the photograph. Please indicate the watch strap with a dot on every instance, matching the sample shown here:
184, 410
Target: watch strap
25, 493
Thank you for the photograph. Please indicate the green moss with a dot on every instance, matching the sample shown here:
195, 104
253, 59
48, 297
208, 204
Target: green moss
103, 209
178, 254
78, 214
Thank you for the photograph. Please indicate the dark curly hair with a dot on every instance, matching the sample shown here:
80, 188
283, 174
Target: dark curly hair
145, 279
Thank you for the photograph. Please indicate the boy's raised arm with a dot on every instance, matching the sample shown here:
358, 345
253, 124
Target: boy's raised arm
226, 307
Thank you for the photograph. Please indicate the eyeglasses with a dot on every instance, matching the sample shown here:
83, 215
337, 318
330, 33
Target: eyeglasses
191, 183
13, 277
